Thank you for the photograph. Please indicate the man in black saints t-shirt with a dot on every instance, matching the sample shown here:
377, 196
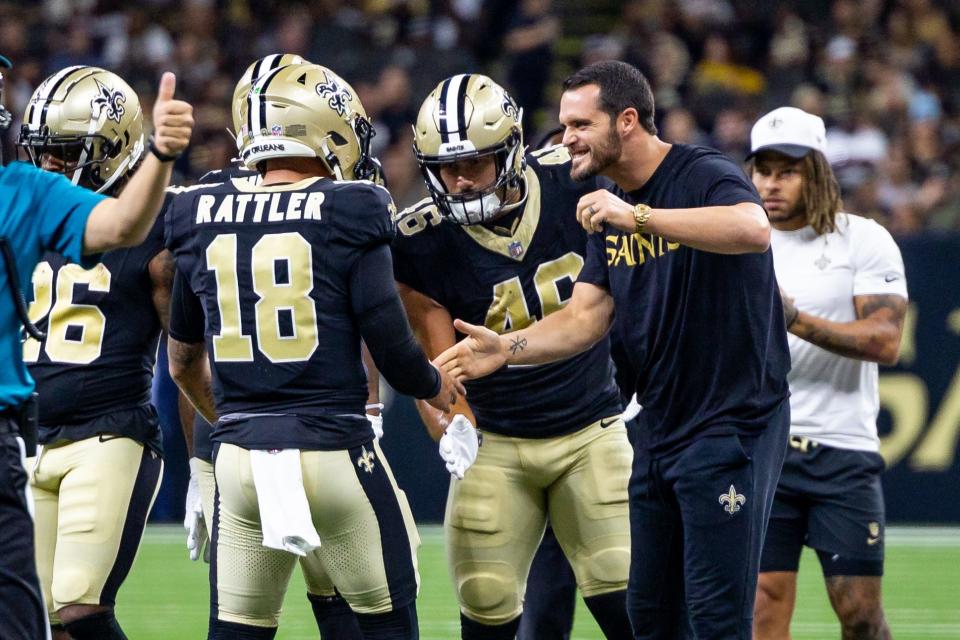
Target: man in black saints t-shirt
679, 267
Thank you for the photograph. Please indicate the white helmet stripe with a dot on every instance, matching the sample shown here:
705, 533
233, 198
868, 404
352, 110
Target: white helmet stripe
451, 106
38, 114
257, 103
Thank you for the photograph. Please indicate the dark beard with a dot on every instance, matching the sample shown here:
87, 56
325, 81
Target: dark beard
600, 158
798, 211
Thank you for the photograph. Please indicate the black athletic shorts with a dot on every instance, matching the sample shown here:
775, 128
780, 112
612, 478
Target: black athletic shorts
830, 500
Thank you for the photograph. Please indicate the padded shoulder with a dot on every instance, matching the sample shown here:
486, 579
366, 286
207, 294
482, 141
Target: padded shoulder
361, 213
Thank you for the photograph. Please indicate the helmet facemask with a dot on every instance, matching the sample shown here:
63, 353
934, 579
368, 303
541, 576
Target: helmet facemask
486, 203
80, 156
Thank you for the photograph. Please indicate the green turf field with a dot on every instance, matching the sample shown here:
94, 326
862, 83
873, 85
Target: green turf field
166, 594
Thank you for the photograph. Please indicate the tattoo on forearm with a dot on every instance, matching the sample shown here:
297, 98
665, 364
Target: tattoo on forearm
869, 305
863, 341
517, 345
184, 354
198, 385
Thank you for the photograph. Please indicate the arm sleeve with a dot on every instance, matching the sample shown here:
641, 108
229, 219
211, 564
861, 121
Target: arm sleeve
877, 263
594, 269
384, 327
187, 320
63, 210
405, 267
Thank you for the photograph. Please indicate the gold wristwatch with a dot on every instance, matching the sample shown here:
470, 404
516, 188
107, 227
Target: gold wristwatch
641, 214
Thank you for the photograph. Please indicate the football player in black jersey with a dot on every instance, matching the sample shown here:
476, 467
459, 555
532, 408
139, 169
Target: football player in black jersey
281, 279
498, 242
333, 615
99, 465
682, 235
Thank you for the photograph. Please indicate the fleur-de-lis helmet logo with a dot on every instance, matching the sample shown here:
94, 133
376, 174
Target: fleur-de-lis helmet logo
108, 102
339, 96
509, 106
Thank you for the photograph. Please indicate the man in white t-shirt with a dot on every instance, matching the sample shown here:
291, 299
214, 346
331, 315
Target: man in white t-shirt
844, 298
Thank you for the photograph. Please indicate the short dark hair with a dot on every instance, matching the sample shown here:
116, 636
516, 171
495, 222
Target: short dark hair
622, 86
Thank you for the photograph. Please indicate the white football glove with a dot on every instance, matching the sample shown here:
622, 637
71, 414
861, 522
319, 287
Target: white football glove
633, 409
193, 522
376, 421
459, 445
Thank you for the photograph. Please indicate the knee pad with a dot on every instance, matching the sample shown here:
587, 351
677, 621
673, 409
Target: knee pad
69, 587
607, 570
489, 593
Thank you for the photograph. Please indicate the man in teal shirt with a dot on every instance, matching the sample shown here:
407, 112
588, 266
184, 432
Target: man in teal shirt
42, 211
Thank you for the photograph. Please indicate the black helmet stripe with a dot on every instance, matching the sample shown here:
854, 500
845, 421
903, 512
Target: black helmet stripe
461, 110
271, 62
260, 101
444, 135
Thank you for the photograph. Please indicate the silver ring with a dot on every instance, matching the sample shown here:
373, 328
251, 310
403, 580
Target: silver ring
591, 211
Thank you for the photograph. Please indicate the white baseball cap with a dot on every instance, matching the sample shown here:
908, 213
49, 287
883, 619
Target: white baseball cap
790, 131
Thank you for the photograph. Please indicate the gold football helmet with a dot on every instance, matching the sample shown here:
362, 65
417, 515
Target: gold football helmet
89, 120
470, 116
306, 110
256, 69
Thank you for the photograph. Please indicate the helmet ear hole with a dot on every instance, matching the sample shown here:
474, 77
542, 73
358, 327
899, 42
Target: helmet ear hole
336, 138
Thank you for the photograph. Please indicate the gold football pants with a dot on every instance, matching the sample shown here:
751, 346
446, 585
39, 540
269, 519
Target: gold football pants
368, 537
318, 583
92, 499
497, 514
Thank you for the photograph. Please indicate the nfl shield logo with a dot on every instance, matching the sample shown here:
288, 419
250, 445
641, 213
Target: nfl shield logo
516, 249
276, 130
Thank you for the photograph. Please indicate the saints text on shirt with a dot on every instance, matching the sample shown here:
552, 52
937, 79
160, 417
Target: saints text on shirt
636, 248
258, 207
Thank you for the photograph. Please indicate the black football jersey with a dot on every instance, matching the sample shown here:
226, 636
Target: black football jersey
271, 266
101, 345
506, 282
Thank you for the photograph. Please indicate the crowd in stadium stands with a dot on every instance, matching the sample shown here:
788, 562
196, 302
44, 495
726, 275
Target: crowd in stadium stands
885, 75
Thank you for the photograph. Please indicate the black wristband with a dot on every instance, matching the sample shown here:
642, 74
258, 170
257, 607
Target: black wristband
162, 157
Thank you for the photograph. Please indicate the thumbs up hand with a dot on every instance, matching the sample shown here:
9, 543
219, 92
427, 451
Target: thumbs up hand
172, 119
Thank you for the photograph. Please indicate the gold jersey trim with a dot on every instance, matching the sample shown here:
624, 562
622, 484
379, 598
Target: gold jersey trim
247, 185
524, 230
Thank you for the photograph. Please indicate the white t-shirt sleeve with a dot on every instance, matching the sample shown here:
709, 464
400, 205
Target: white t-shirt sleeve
876, 260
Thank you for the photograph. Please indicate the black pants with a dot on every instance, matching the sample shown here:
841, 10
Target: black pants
698, 518
22, 613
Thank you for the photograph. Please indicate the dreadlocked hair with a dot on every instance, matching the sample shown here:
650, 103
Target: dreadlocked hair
820, 195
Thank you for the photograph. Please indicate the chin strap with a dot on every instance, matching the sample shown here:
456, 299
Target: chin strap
18, 302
